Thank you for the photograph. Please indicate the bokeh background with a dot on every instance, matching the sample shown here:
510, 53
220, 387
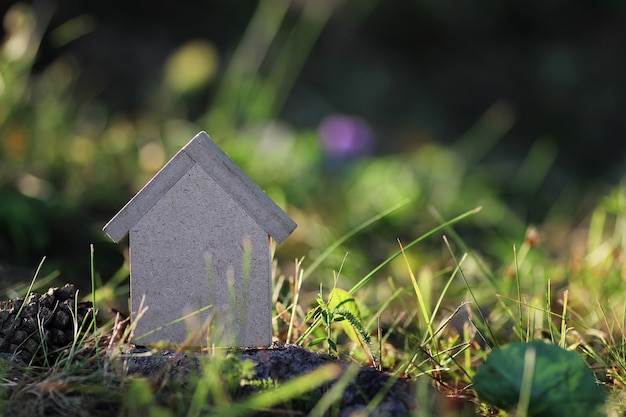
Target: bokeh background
338, 109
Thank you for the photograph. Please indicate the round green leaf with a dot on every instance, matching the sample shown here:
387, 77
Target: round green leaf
558, 382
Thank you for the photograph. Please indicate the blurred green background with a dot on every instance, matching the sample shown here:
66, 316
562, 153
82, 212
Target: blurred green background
338, 109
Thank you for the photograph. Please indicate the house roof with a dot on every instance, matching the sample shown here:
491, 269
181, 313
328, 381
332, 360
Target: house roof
201, 150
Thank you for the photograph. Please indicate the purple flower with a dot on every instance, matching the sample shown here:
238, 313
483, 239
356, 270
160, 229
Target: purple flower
345, 136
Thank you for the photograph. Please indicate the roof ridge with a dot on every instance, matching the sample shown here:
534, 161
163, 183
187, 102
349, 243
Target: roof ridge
201, 150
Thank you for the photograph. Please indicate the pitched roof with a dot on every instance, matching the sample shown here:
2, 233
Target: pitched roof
203, 151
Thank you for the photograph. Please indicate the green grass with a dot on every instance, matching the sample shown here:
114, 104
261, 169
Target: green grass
438, 326
397, 269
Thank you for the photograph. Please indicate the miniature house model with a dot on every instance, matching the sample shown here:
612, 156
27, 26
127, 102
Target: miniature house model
199, 237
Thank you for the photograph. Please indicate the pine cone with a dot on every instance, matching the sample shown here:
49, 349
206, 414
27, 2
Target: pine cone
39, 327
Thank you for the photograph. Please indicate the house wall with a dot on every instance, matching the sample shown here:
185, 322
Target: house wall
194, 248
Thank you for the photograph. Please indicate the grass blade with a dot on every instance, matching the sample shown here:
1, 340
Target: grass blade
350, 234
423, 237
418, 293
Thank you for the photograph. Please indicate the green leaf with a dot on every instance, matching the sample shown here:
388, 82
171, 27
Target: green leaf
312, 313
542, 377
332, 345
343, 300
317, 341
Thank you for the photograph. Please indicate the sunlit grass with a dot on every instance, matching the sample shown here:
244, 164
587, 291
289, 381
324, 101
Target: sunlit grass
437, 326
384, 274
